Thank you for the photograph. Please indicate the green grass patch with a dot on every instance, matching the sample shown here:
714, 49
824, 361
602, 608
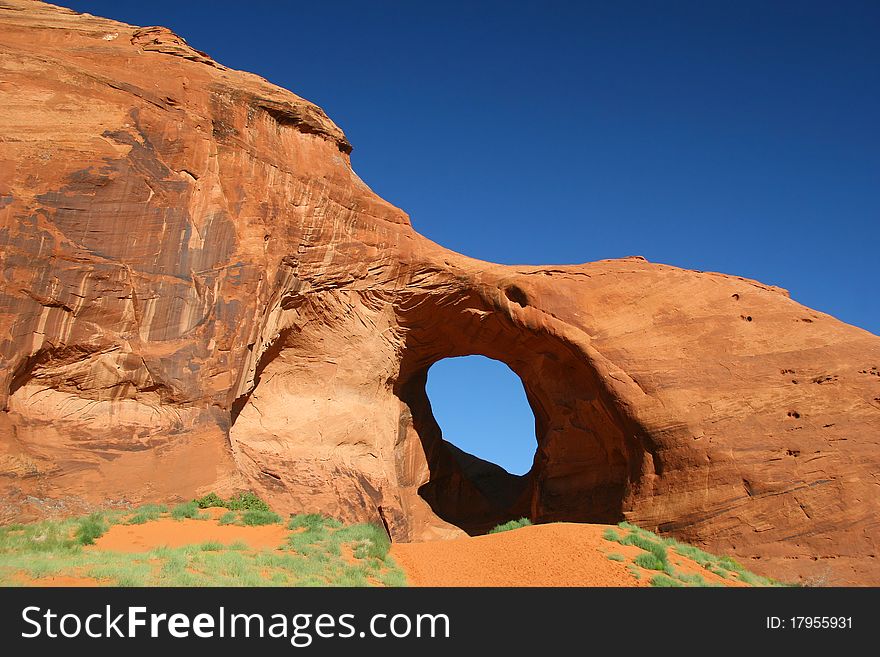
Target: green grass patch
511, 524
146, 513
693, 580
90, 528
655, 556
187, 510
614, 556
255, 517
313, 521
320, 552
695, 554
212, 546
649, 561
45, 536
655, 548
664, 581
611, 535
209, 501
247, 501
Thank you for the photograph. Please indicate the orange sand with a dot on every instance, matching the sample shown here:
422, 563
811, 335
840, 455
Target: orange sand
559, 554
177, 533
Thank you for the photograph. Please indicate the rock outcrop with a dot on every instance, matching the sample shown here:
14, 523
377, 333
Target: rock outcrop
197, 292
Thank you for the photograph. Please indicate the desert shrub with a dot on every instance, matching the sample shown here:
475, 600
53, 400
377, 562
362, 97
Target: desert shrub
210, 500
46, 536
649, 561
611, 535
695, 554
658, 550
247, 501
693, 580
259, 517
367, 541
511, 524
211, 546
90, 528
744, 575
186, 510
228, 518
664, 581
614, 556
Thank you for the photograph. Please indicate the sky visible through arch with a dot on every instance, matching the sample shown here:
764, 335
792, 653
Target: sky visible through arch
739, 137
481, 406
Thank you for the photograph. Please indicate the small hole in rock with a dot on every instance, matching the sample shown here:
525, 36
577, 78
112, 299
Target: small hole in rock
517, 295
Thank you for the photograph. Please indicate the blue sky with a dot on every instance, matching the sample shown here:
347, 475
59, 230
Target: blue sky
740, 137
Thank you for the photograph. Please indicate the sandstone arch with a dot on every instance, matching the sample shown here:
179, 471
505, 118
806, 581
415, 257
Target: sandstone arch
588, 452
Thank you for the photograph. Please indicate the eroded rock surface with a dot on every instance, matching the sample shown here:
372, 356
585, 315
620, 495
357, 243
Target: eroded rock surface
197, 292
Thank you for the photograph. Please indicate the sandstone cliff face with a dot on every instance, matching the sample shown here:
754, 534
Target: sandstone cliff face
197, 292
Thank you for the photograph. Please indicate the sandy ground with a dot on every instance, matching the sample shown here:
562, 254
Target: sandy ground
559, 554
177, 533
57, 580
171, 533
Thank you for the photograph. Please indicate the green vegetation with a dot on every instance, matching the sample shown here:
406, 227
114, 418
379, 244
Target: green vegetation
313, 521
614, 556
146, 513
251, 518
254, 518
512, 524
649, 561
694, 580
210, 500
321, 542
187, 510
655, 556
247, 501
611, 535
90, 528
320, 551
663, 581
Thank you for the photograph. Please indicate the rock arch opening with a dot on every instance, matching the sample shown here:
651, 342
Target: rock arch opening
591, 457
482, 409
487, 428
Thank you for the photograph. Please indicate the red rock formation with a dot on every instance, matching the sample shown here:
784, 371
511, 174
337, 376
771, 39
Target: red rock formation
197, 292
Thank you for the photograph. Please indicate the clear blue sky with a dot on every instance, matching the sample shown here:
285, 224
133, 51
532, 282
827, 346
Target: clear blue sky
737, 136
